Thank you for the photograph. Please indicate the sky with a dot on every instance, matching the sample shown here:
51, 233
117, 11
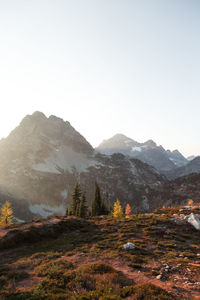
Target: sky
106, 66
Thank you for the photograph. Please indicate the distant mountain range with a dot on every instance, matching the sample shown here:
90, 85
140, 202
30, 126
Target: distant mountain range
163, 160
43, 158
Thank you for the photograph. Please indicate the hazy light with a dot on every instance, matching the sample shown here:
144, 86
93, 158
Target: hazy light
106, 66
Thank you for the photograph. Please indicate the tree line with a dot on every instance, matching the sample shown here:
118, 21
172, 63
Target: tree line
79, 206
80, 209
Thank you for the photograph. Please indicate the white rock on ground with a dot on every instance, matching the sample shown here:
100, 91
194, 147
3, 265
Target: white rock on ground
129, 246
194, 221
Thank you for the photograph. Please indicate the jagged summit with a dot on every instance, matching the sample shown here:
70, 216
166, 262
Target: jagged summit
38, 115
36, 130
150, 143
148, 152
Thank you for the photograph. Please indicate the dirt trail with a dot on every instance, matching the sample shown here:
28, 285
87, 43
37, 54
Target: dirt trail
138, 277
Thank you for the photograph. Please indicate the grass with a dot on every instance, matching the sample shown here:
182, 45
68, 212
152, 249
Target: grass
98, 243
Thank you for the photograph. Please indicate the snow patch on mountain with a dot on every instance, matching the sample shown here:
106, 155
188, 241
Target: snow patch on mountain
136, 149
46, 210
173, 160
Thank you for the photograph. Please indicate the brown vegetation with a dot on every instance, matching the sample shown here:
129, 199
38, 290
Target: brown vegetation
71, 258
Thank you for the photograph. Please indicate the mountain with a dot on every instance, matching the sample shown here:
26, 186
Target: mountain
43, 158
147, 152
192, 166
191, 157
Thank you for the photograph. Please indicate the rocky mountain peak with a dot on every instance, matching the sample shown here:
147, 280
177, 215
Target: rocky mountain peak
150, 143
36, 130
38, 115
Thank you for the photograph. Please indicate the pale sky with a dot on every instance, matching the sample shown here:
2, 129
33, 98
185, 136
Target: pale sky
106, 66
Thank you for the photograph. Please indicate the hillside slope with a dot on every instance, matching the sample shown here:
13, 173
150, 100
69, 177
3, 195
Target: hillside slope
71, 258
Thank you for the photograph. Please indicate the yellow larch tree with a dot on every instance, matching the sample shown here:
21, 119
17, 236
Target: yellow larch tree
6, 214
117, 210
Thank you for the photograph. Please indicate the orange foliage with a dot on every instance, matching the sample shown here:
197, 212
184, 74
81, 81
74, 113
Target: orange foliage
128, 210
190, 202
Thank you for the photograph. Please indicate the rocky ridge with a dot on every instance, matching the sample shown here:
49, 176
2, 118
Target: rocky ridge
148, 152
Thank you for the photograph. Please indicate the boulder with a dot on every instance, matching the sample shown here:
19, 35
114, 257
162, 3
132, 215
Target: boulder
129, 246
194, 221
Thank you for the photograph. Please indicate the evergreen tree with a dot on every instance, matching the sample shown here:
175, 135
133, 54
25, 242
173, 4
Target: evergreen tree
98, 205
82, 213
6, 214
67, 212
76, 199
117, 210
104, 210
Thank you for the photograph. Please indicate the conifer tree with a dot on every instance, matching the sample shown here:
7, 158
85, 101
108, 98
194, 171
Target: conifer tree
76, 199
6, 214
117, 210
67, 211
98, 205
83, 209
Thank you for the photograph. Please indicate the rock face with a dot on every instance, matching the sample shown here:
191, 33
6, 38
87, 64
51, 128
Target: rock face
148, 152
42, 159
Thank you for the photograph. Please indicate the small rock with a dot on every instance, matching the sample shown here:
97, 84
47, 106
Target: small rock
194, 221
129, 246
159, 276
166, 266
